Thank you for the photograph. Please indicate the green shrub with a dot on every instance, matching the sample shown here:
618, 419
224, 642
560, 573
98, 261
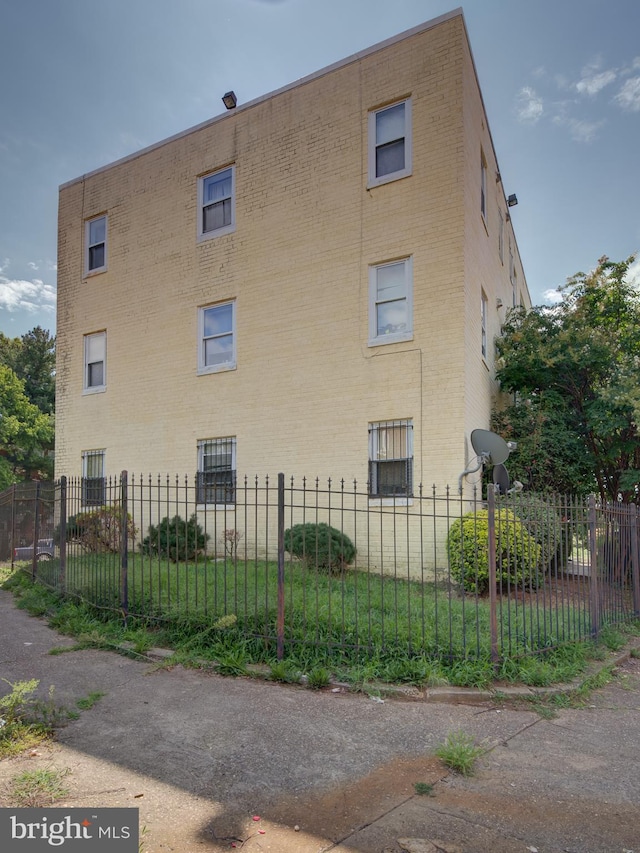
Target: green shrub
518, 555
98, 530
544, 523
320, 545
175, 538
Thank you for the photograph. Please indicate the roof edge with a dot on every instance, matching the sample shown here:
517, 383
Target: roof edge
341, 63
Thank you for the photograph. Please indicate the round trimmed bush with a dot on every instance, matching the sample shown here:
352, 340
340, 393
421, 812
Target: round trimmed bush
321, 546
518, 555
175, 538
543, 519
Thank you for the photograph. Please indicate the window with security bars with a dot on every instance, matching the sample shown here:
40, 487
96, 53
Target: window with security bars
391, 459
216, 477
94, 484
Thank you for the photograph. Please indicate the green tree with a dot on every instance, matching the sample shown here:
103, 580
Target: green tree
26, 433
574, 371
33, 359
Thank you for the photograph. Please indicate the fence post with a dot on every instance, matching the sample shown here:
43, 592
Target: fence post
36, 533
280, 622
493, 592
594, 594
13, 524
62, 571
124, 547
635, 559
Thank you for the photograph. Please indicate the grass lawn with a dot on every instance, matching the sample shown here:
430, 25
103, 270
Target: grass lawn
348, 618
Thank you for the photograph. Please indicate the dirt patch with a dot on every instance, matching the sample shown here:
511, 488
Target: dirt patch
343, 810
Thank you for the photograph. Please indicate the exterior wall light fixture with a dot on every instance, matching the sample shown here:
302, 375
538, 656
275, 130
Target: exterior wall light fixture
229, 100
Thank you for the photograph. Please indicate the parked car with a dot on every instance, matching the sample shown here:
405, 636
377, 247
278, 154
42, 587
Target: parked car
44, 551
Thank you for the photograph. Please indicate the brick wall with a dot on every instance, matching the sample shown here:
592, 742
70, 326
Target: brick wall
306, 384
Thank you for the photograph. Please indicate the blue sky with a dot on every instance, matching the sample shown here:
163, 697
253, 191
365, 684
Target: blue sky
85, 82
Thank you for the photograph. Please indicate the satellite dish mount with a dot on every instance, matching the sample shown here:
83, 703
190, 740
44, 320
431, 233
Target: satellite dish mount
490, 449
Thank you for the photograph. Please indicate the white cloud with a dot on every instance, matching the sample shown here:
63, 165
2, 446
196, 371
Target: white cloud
4, 263
629, 95
33, 265
593, 80
629, 69
529, 107
552, 296
580, 130
17, 295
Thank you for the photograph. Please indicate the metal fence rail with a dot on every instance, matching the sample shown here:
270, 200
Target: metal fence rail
440, 575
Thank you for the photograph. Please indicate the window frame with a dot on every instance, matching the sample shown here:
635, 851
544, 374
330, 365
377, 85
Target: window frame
87, 388
88, 245
483, 186
93, 483
484, 305
229, 483
223, 229
403, 492
374, 179
376, 339
203, 368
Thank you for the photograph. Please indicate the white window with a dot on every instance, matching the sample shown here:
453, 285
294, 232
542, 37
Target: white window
216, 477
216, 203
483, 324
391, 302
217, 337
390, 143
95, 362
391, 459
500, 236
95, 240
483, 185
94, 486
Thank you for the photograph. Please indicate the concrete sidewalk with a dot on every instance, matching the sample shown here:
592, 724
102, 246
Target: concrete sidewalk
201, 756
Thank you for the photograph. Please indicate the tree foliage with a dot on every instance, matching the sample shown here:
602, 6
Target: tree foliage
27, 403
33, 359
26, 433
574, 371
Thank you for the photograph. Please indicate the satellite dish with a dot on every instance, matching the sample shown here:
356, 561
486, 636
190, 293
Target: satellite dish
490, 447
490, 450
501, 478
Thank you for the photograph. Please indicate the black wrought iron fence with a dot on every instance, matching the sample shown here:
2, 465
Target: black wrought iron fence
302, 563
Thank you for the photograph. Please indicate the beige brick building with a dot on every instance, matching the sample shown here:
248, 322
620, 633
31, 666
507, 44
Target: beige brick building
309, 283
